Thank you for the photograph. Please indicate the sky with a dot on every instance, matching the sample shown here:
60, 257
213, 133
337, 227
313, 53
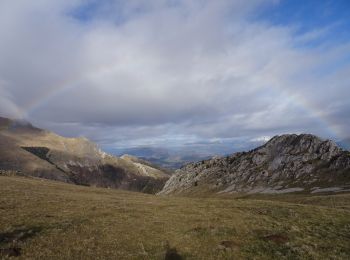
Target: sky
177, 73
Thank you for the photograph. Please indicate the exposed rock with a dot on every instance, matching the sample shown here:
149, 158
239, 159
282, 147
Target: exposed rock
287, 163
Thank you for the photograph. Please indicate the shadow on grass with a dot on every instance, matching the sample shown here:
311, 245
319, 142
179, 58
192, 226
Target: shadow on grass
171, 253
18, 235
10, 239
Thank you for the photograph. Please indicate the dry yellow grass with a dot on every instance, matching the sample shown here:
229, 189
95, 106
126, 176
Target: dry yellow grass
41, 219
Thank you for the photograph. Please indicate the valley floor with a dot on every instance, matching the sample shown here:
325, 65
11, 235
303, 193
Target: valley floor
41, 219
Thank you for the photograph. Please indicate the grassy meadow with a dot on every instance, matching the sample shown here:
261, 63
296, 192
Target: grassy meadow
42, 219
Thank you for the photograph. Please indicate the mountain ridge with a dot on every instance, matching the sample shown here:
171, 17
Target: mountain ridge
286, 163
31, 151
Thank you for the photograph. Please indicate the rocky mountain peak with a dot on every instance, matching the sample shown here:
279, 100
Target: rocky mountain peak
285, 163
303, 144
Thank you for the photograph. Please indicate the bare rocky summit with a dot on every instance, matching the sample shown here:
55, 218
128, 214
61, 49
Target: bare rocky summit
286, 163
30, 151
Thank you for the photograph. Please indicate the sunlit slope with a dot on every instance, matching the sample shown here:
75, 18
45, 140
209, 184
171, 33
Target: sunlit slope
42, 219
28, 150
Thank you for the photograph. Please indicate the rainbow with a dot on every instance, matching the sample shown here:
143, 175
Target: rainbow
332, 128
62, 87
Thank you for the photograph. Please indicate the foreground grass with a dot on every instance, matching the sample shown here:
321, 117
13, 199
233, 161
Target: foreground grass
41, 219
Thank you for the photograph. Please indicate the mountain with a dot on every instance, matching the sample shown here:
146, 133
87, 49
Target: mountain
144, 165
286, 163
174, 157
167, 158
27, 150
176, 161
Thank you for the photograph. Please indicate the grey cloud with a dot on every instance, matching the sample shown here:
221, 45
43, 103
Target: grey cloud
166, 72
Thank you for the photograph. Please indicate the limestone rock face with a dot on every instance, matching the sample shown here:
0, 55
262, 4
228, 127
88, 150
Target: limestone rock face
286, 163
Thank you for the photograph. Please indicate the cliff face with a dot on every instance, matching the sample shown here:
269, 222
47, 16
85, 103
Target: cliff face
286, 163
31, 151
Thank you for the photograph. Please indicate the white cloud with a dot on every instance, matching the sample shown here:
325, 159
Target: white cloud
261, 139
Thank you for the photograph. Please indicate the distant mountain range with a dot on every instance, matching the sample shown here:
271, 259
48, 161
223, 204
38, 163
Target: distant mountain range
171, 158
166, 158
287, 163
30, 151
174, 158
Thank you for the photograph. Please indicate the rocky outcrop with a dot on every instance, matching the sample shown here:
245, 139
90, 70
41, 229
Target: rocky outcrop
30, 151
286, 163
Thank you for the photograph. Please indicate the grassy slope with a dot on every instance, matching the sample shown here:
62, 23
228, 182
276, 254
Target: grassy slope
49, 219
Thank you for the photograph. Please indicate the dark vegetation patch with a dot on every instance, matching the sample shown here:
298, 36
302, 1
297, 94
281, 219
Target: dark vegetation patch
42, 153
110, 176
105, 176
147, 184
115, 174
276, 238
10, 252
18, 235
9, 240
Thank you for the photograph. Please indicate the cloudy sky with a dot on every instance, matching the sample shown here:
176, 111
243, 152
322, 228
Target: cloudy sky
172, 73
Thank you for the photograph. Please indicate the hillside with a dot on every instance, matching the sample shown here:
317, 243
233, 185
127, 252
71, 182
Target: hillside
43, 219
27, 150
146, 166
287, 163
